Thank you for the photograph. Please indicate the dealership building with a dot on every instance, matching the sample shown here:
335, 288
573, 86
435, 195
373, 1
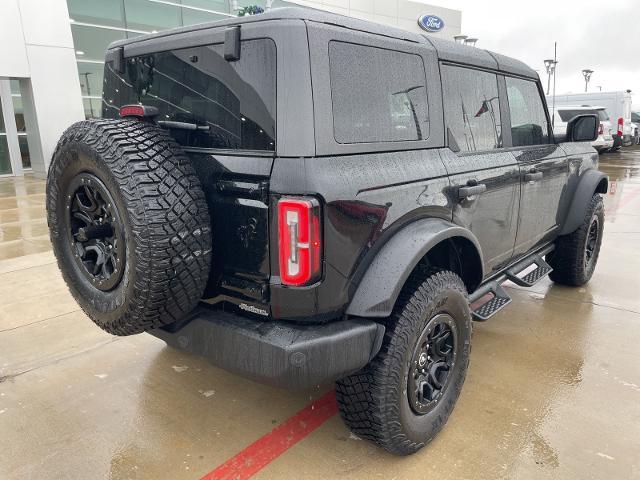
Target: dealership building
52, 56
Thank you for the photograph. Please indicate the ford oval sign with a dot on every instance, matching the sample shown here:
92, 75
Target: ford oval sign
431, 23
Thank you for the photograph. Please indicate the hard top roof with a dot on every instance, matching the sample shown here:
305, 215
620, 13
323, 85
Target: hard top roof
446, 49
579, 107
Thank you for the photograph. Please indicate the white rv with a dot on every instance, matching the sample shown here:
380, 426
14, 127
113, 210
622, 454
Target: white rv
617, 104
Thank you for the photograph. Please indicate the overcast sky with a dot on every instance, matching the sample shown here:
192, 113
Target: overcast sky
601, 35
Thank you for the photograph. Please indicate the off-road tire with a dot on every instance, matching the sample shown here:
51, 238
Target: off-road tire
570, 266
374, 402
164, 220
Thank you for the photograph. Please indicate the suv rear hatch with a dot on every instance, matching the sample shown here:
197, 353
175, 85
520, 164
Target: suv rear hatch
223, 114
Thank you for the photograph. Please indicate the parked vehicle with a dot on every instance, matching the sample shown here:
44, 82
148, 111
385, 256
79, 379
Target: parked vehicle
617, 104
563, 114
635, 120
270, 193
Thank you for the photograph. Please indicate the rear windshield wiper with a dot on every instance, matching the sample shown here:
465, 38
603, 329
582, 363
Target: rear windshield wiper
182, 125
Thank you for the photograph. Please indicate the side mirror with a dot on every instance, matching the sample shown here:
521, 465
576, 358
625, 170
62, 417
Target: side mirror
583, 128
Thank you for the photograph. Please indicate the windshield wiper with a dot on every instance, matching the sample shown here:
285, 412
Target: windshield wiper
182, 125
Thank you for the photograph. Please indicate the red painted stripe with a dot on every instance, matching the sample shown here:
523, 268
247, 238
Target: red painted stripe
626, 200
266, 449
269, 447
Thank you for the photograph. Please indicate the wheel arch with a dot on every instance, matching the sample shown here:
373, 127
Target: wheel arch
591, 182
426, 242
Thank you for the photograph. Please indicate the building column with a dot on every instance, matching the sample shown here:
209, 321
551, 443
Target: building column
10, 126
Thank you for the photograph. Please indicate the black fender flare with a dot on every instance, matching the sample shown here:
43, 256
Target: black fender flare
591, 182
381, 284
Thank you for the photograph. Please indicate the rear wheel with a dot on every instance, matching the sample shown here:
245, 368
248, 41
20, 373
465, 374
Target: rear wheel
129, 224
403, 398
576, 255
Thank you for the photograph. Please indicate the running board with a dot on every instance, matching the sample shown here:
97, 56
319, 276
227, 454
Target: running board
490, 298
534, 276
496, 299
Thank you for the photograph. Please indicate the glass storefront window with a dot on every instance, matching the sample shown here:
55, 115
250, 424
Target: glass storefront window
92, 107
5, 162
149, 16
192, 17
17, 106
91, 78
24, 150
97, 12
21, 127
91, 43
216, 5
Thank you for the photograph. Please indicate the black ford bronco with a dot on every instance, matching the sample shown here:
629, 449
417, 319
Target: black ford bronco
303, 197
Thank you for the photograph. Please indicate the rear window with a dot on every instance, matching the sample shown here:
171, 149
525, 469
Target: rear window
378, 95
567, 115
232, 103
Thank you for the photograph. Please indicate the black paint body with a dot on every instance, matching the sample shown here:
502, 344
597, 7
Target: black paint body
369, 192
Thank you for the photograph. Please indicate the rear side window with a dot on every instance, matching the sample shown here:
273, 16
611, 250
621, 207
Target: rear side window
602, 115
471, 108
233, 104
378, 95
529, 124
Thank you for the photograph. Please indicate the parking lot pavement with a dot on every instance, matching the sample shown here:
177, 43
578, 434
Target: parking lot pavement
553, 389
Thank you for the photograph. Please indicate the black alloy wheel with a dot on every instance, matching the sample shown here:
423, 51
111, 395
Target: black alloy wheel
592, 241
95, 231
433, 359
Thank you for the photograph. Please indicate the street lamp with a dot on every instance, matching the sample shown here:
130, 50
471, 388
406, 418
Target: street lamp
550, 65
459, 38
471, 42
586, 73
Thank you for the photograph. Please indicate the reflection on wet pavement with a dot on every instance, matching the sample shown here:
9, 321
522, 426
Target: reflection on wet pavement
553, 390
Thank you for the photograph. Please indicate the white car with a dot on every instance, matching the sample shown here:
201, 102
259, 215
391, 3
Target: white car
565, 113
635, 121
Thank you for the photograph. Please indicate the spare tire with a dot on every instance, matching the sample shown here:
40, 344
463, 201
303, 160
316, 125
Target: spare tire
129, 224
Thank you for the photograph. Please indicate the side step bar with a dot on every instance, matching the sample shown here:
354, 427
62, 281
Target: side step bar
490, 297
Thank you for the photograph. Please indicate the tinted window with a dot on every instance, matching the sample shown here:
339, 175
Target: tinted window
528, 117
602, 115
635, 117
372, 102
471, 108
232, 103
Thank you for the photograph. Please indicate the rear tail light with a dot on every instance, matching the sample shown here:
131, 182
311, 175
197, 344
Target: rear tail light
620, 126
140, 111
600, 129
299, 247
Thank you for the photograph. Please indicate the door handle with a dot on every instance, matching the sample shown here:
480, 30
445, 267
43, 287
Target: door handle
533, 176
471, 190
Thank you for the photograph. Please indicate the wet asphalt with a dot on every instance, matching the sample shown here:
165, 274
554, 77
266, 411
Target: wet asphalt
553, 390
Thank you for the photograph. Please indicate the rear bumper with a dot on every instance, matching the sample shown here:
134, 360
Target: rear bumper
275, 352
602, 142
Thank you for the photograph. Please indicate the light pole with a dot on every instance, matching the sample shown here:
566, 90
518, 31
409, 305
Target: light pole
586, 73
550, 65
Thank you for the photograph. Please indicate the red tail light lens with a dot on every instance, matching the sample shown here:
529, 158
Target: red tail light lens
600, 129
140, 111
620, 126
299, 240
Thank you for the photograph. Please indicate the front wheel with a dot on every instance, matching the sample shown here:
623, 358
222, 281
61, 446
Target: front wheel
403, 398
576, 255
